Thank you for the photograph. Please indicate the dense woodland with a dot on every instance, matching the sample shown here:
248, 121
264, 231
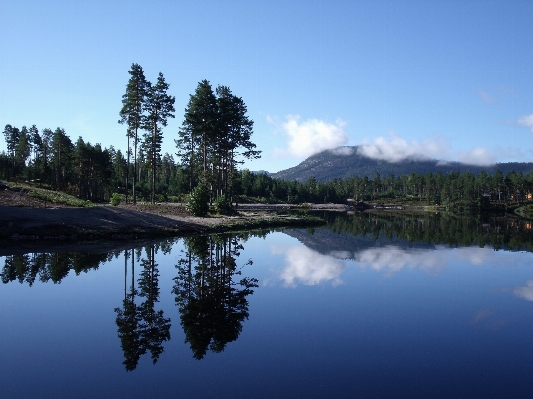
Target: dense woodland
214, 139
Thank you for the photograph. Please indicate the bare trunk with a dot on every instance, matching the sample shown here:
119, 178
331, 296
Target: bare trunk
153, 161
128, 167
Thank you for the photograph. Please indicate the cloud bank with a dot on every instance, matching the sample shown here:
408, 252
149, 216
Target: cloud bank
309, 137
477, 156
397, 149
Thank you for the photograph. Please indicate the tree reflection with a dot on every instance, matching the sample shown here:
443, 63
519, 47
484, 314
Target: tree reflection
141, 328
211, 303
500, 233
48, 266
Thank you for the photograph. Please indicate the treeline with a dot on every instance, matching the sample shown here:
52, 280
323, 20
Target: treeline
452, 189
94, 173
51, 158
91, 172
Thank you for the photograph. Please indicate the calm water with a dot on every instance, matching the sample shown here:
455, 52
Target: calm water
364, 307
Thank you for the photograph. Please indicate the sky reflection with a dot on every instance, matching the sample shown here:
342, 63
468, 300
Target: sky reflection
308, 267
305, 266
525, 292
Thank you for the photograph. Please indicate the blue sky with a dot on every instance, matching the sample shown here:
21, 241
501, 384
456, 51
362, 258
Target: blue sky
451, 80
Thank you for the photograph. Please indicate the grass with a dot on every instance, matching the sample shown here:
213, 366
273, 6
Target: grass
50, 195
59, 197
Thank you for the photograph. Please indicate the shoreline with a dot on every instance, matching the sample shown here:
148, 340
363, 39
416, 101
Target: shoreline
129, 222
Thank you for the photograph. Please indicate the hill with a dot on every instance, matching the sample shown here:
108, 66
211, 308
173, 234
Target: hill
345, 162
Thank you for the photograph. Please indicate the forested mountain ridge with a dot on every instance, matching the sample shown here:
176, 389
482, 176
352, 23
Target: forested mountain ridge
330, 164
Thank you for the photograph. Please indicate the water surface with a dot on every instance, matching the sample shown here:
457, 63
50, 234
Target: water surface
365, 307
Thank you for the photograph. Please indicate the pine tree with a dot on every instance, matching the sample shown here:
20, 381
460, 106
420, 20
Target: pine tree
12, 136
159, 106
133, 102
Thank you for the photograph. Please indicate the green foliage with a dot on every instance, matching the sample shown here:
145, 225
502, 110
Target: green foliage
223, 205
60, 197
115, 199
214, 138
197, 203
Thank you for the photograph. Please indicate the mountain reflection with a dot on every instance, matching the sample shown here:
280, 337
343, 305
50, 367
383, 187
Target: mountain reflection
507, 233
389, 243
141, 328
210, 293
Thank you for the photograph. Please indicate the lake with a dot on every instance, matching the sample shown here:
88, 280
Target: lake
366, 306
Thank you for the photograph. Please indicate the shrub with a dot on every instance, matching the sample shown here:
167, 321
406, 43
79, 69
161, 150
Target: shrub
198, 201
115, 199
223, 205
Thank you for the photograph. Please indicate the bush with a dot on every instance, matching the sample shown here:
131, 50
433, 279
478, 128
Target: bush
223, 205
198, 201
115, 199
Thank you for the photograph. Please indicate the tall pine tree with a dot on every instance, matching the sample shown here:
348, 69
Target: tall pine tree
159, 106
132, 114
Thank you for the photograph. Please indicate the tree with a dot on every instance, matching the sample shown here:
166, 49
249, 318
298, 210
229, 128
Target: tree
23, 149
215, 135
131, 114
234, 131
199, 127
159, 106
61, 147
47, 140
12, 136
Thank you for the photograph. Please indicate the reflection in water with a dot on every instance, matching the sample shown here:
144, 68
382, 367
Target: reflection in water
141, 328
211, 301
499, 233
390, 243
391, 259
308, 266
54, 267
525, 292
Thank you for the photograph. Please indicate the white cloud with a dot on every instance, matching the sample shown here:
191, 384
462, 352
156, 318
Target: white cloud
525, 292
309, 267
476, 156
342, 151
526, 121
311, 136
397, 149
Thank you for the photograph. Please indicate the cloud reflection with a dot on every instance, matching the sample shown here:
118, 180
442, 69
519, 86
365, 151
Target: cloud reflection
309, 267
525, 292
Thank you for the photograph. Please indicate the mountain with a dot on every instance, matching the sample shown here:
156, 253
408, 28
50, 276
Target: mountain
344, 162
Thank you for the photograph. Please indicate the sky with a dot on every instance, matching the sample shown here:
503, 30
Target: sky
450, 80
